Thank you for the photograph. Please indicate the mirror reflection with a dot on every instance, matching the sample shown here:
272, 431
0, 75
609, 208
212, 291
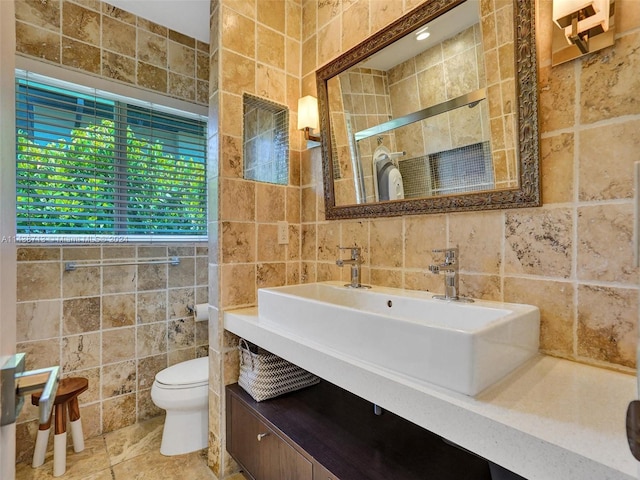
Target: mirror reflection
450, 126
430, 115
265, 140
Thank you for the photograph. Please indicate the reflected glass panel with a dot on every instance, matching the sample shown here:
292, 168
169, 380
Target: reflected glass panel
445, 124
265, 141
424, 126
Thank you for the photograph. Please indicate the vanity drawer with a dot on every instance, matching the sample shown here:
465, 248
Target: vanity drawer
326, 433
321, 473
262, 453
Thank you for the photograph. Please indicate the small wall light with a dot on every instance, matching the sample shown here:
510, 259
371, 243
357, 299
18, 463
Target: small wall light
308, 119
586, 26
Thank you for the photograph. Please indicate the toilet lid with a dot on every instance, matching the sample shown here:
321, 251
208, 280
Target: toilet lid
185, 373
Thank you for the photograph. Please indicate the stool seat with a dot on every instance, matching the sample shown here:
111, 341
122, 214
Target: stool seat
65, 401
67, 389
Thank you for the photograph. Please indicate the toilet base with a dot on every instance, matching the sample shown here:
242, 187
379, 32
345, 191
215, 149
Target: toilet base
184, 432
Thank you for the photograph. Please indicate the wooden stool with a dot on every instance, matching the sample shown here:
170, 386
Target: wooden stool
66, 399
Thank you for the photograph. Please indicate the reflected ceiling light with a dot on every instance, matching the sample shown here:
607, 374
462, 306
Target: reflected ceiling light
423, 34
308, 119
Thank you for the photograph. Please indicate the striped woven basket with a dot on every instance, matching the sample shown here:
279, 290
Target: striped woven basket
264, 375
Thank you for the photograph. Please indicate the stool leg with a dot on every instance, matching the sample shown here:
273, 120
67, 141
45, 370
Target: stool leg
60, 441
42, 439
76, 425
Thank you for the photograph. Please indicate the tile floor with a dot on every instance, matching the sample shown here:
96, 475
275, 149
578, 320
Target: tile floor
132, 453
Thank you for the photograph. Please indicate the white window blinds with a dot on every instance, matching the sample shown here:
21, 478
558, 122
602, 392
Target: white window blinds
93, 163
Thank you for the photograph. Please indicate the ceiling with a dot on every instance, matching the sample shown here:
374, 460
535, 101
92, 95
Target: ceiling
190, 17
442, 28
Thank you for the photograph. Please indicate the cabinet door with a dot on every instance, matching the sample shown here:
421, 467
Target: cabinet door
262, 453
279, 460
293, 466
321, 473
245, 428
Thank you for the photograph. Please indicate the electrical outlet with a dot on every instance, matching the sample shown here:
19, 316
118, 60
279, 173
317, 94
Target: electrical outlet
283, 233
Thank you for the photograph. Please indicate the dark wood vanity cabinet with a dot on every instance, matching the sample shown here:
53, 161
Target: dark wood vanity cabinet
326, 433
262, 453
321, 473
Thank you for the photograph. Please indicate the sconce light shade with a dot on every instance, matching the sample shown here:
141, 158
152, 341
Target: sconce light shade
307, 112
308, 117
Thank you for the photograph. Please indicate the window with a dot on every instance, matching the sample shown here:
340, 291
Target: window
95, 164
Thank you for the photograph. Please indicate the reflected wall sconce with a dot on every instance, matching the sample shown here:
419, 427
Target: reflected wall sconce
308, 119
583, 26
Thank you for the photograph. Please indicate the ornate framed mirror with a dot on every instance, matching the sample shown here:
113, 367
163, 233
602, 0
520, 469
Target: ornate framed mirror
441, 126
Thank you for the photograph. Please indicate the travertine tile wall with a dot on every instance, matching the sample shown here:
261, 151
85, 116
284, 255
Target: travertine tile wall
571, 257
118, 326
115, 325
255, 48
450, 69
445, 71
98, 38
7, 216
498, 45
364, 94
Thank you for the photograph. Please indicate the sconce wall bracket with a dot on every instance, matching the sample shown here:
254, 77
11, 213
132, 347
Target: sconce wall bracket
569, 43
308, 136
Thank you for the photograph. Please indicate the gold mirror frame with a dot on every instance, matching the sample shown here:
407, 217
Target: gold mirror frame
528, 192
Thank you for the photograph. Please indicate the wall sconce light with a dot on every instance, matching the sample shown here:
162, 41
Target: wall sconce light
585, 26
308, 119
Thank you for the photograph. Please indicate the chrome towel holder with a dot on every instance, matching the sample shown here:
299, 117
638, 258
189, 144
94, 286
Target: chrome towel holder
71, 266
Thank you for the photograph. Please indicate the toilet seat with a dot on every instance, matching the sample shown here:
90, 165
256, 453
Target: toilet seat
162, 386
183, 391
189, 374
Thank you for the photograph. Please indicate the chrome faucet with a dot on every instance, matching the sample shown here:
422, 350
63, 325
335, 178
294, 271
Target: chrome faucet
355, 261
450, 269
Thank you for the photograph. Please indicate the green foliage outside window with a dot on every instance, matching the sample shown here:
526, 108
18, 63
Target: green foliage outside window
90, 184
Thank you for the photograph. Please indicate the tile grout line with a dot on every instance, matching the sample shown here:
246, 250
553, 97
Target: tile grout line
106, 448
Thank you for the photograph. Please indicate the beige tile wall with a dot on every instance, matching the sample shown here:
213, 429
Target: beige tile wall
571, 257
100, 39
255, 48
115, 325
450, 69
118, 326
364, 94
7, 216
498, 45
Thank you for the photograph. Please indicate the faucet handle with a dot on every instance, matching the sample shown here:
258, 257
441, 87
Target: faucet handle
355, 251
450, 254
445, 250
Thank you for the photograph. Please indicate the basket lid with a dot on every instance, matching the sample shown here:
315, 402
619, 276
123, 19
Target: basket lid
185, 373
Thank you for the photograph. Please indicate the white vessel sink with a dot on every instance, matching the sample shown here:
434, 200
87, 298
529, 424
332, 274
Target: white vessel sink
464, 347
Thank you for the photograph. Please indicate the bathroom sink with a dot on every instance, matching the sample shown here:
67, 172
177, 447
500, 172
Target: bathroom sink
464, 347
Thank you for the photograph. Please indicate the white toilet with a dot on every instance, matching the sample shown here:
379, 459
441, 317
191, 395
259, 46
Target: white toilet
183, 391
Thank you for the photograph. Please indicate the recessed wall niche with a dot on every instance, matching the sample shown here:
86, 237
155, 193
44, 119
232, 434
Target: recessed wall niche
265, 140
